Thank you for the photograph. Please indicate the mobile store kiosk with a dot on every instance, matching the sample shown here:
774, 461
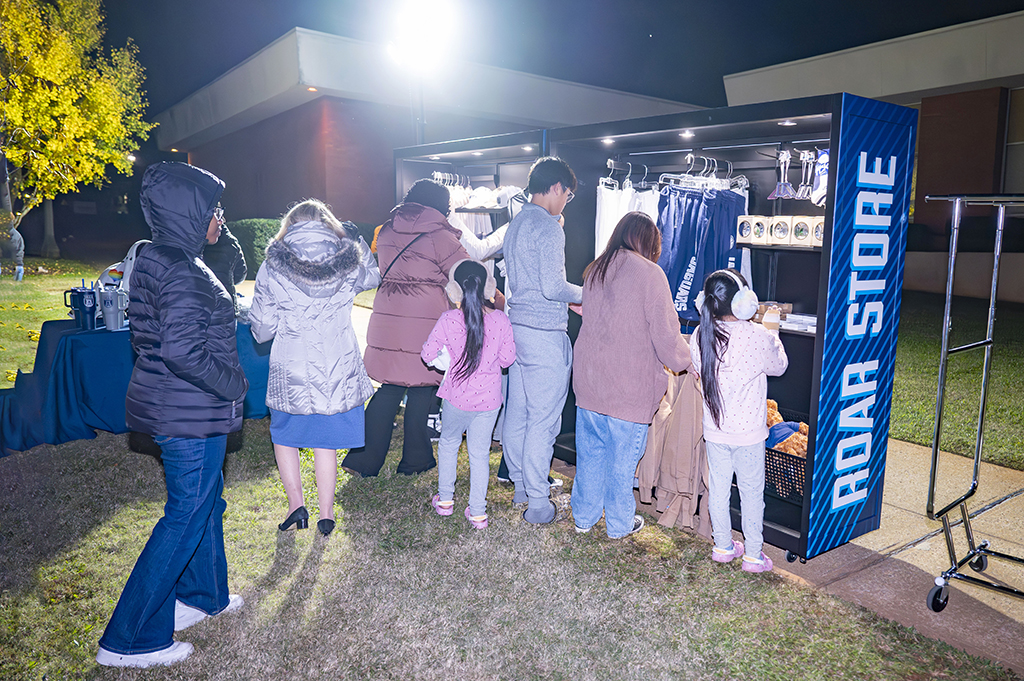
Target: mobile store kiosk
844, 287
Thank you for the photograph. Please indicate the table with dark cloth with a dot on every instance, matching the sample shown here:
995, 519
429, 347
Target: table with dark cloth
79, 382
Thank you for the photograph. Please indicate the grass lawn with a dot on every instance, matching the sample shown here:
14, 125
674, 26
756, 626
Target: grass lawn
24, 306
917, 378
398, 592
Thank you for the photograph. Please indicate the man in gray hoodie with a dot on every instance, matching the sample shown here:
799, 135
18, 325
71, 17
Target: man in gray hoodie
538, 298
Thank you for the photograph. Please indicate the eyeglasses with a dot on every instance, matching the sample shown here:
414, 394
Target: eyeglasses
570, 197
218, 212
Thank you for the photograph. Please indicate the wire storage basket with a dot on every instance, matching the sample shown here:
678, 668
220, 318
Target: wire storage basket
784, 475
783, 472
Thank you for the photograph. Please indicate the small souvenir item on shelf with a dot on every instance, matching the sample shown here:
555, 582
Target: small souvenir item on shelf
781, 230
745, 229
785, 309
783, 190
759, 230
802, 225
817, 231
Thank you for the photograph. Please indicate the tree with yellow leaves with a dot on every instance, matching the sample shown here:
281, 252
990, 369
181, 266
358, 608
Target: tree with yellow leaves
67, 109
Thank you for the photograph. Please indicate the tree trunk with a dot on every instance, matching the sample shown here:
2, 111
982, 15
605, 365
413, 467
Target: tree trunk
6, 208
50, 249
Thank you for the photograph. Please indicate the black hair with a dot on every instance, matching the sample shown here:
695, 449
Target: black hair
719, 288
471, 276
429, 193
548, 171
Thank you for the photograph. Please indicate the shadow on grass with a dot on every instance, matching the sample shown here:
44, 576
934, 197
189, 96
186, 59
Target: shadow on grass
52, 497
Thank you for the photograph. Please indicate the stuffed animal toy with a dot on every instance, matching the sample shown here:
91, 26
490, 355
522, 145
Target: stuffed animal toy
785, 436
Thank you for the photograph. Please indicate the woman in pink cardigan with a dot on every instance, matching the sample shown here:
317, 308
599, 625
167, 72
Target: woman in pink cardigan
630, 333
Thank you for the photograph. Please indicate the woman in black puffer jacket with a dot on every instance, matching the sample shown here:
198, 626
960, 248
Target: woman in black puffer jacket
186, 391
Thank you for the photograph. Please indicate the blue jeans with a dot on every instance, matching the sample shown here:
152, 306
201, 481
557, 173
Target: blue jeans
607, 453
184, 557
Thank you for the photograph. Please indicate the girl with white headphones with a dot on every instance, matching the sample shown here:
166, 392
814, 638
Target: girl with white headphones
733, 357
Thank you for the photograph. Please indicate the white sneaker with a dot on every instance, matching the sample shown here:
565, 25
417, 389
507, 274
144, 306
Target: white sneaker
185, 615
178, 651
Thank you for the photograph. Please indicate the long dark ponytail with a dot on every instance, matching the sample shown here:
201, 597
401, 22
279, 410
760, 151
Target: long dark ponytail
719, 288
471, 276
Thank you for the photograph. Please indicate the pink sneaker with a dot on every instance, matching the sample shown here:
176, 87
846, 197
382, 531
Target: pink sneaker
442, 509
754, 565
720, 556
478, 522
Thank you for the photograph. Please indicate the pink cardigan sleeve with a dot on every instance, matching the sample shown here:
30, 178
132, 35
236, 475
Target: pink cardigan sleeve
663, 323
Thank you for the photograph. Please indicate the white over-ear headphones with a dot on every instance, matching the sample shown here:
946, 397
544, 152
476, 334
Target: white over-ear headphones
744, 302
454, 291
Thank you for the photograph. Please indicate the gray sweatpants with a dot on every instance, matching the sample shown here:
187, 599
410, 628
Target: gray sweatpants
747, 461
538, 382
478, 426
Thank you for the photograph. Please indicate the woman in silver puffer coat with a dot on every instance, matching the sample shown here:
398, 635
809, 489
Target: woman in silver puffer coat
317, 385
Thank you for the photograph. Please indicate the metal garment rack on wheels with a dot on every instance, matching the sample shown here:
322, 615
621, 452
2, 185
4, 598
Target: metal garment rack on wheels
978, 553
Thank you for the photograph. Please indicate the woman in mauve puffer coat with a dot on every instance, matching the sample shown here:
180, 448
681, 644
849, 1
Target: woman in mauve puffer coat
186, 391
419, 246
314, 268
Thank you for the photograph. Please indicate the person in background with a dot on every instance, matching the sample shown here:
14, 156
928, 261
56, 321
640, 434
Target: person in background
472, 345
416, 248
186, 391
734, 357
630, 332
227, 261
12, 245
537, 297
317, 386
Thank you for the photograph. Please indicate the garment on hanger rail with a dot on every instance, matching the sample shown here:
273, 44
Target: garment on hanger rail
613, 202
698, 236
820, 187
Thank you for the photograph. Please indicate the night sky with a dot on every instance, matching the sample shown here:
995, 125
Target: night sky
675, 49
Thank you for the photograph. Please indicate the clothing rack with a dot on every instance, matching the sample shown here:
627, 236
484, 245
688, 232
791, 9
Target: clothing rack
978, 553
669, 175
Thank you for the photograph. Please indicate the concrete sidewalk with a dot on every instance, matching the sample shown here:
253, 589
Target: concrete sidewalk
891, 570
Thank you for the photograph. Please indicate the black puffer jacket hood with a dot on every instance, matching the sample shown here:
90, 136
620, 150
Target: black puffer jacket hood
178, 201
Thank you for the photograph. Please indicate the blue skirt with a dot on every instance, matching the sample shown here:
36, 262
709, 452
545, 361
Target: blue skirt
320, 431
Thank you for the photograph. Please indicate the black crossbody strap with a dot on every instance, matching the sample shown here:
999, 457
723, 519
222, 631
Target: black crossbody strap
400, 253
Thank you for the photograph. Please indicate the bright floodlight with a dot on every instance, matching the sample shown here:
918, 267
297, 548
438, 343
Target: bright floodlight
423, 33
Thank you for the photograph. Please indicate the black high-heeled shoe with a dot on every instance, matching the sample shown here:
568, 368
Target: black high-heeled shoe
299, 517
326, 526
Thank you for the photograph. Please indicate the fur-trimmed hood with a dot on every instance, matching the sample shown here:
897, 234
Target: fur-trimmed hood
314, 258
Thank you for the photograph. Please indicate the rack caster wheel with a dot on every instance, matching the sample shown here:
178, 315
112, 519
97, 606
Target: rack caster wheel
979, 564
938, 597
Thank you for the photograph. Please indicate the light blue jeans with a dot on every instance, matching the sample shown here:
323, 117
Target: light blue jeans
607, 453
478, 426
184, 557
747, 462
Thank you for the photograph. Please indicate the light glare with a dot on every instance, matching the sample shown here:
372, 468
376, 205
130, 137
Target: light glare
423, 30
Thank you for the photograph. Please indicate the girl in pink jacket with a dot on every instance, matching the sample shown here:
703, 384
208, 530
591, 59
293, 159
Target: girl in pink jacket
472, 345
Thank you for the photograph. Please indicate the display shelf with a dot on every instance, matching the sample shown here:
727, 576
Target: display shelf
841, 376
